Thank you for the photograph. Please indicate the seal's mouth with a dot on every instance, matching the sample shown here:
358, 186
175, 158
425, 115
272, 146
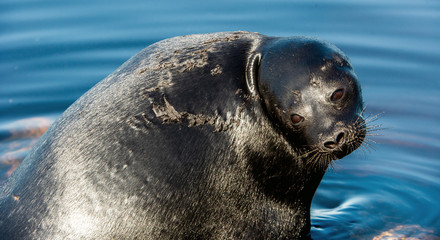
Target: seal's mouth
351, 138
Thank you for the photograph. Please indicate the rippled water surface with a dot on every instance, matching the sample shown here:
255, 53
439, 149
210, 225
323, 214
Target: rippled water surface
51, 52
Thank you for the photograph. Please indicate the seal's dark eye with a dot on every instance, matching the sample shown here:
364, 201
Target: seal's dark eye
337, 95
296, 119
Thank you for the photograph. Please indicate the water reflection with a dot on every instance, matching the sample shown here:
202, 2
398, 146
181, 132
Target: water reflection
16, 140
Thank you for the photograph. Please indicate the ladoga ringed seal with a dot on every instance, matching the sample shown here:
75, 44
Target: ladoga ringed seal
212, 136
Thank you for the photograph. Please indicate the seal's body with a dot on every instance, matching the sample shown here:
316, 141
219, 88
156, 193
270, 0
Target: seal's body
214, 136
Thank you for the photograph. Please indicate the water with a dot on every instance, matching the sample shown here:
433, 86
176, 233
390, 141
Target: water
51, 52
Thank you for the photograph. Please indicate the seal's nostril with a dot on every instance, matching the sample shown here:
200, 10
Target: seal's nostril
334, 144
330, 145
340, 138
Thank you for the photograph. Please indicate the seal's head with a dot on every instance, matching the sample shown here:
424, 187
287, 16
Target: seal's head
312, 95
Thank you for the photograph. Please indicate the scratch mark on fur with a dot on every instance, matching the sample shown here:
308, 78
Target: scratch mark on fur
139, 122
217, 70
169, 115
235, 36
180, 61
158, 86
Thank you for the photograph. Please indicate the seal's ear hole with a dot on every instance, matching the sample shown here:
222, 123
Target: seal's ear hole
256, 67
337, 95
296, 119
252, 73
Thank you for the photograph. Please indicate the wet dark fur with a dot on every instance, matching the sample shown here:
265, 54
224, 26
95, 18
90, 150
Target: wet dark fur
178, 143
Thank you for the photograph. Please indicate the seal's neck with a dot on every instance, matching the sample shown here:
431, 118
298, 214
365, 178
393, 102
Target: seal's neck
286, 179
276, 168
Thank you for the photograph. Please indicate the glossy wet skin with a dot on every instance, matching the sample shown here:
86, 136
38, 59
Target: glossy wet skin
195, 137
312, 95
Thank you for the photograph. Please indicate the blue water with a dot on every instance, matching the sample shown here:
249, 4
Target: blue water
51, 52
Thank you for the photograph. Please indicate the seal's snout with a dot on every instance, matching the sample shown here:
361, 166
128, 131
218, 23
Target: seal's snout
345, 139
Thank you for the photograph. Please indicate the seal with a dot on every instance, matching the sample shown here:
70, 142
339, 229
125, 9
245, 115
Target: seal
210, 136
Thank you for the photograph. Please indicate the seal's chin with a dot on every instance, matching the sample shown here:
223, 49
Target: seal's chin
340, 152
319, 158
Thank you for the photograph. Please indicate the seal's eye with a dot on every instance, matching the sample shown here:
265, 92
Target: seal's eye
296, 119
337, 95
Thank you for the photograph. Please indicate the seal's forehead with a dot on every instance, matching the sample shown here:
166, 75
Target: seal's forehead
306, 49
318, 49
